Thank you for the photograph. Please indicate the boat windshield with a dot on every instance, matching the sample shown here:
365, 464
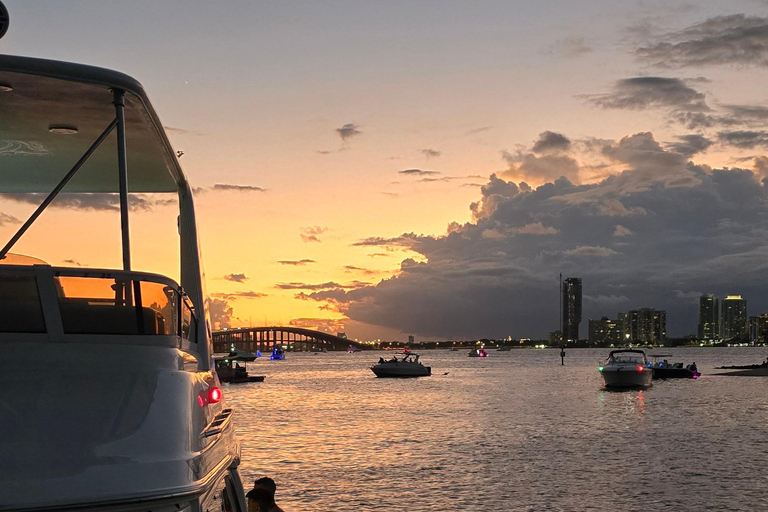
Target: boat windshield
92, 303
628, 357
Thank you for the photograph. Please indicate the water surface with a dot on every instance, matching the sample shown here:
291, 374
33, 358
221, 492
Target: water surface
514, 431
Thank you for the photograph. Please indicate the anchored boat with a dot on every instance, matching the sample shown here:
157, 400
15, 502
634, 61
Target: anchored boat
626, 368
128, 412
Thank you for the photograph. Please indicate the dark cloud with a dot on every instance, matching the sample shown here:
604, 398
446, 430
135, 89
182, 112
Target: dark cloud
86, 201
646, 92
735, 39
430, 153
689, 145
744, 139
221, 313
404, 241
551, 141
417, 172
222, 187
238, 278
311, 234
681, 227
296, 263
239, 295
348, 131
6, 219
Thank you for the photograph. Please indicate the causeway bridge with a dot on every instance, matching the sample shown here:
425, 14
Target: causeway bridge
265, 339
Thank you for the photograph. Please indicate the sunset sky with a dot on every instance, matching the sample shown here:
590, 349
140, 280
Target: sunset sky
430, 167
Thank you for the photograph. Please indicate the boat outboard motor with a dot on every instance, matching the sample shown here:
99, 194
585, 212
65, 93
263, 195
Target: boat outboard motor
4, 19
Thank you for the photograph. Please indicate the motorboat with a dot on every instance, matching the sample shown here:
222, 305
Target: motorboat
478, 353
230, 370
278, 354
401, 365
626, 368
243, 355
663, 369
504, 348
128, 413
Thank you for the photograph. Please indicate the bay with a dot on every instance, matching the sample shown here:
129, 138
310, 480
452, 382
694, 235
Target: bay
514, 431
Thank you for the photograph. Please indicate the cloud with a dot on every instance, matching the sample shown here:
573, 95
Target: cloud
417, 172
722, 40
529, 167
296, 263
311, 234
475, 131
646, 92
430, 153
73, 262
361, 270
348, 131
621, 231
222, 187
585, 250
683, 227
88, 201
690, 145
6, 219
221, 313
570, 47
330, 325
239, 295
614, 207
744, 139
551, 141
320, 286
238, 278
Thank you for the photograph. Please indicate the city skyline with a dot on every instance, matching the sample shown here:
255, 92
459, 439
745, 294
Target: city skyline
394, 169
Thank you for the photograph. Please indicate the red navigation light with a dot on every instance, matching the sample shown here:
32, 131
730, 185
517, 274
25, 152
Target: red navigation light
640, 368
214, 395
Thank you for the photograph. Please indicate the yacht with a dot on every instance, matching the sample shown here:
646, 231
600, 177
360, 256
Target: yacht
407, 365
128, 412
626, 368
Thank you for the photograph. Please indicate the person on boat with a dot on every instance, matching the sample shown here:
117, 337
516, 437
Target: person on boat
693, 367
259, 500
381, 360
268, 485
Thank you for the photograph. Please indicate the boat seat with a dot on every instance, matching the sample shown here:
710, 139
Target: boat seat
80, 316
20, 309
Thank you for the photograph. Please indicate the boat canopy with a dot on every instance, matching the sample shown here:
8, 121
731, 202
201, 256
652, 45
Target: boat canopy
52, 112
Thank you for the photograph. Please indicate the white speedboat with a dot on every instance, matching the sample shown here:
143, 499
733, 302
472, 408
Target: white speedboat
406, 365
626, 368
127, 413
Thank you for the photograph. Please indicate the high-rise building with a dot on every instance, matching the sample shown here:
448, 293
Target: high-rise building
410, 339
709, 318
605, 332
647, 325
734, 318
571, 301
758, 328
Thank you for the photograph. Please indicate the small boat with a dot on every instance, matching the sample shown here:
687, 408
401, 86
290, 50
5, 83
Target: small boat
478, 353
626, 368
229, 369
278, 354
454, 349
663, 369
244, 355
504, 348
407, 365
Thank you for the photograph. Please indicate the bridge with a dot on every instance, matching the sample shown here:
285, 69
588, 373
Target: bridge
265, 339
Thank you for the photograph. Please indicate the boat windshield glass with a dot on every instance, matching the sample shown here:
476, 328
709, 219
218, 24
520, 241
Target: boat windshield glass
628, 357
91, 305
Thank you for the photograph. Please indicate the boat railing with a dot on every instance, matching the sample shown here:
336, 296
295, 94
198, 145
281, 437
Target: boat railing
61, 302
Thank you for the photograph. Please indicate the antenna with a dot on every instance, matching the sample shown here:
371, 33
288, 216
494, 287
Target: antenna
4, 20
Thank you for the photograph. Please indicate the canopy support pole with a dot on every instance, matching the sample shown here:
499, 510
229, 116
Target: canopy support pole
122, 163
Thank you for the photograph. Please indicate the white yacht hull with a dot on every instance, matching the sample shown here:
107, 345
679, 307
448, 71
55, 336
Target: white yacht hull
627, 377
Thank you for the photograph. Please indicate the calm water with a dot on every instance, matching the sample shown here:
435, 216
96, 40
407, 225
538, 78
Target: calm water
515, 431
